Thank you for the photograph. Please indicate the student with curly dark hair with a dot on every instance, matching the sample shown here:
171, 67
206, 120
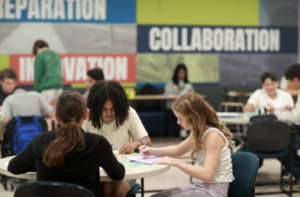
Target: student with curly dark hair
68, 153
112, 117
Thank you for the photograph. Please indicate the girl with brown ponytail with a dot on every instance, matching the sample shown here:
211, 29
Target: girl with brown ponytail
69, 154
208, 142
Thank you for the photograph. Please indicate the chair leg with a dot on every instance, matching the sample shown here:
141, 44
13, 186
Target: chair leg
142, 187
291, 177
4, 181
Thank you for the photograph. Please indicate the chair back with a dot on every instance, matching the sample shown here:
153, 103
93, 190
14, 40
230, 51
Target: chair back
51, 189
244, 167
263, 117
268, 135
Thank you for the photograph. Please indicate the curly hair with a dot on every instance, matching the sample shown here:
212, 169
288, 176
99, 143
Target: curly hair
198, 114
101, 92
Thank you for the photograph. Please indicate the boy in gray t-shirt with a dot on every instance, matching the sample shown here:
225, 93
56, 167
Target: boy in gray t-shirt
23, 103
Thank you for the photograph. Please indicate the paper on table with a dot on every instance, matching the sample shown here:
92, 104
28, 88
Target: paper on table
144, 159
115, 151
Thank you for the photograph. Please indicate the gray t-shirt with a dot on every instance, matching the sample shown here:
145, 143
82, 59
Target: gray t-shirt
25, 104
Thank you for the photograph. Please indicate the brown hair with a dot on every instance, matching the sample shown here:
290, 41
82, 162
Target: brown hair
39, 44
70, 109
8, 73
268, 75
198, 114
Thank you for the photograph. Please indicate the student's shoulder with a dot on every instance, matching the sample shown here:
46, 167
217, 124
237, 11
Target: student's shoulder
283, 93
257, 92
97, 140
44, 137
132, 112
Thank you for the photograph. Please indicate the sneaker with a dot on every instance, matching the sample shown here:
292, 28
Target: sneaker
295, 183
286, 176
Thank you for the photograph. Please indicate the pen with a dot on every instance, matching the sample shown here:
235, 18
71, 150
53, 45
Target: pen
144, 144
112, 144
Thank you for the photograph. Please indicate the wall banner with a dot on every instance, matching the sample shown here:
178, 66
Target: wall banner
117, 67
79, 11
204, 39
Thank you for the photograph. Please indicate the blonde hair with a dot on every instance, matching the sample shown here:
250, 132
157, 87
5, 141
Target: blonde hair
198, 113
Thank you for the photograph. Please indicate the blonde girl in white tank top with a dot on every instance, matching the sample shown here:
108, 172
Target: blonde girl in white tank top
208, 143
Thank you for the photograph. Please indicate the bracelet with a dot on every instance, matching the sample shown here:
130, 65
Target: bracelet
141, 142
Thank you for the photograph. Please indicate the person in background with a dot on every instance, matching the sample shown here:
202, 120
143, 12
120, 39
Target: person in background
269, 96
47, 72
179, 84
291, 115
287, 86
93, 75
111, 117
208, 142
8, 80
23, 103
68, 154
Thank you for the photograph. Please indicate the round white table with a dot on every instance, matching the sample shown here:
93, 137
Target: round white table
130, 172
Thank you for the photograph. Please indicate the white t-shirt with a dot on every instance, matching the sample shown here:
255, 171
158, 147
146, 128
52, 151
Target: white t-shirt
260, 98
132, 130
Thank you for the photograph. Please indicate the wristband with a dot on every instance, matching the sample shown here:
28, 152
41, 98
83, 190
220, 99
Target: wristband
141, 142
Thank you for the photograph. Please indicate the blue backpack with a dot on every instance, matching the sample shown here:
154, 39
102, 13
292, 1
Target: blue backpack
24, 132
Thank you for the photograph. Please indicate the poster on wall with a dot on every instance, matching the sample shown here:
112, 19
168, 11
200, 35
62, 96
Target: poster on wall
120, 67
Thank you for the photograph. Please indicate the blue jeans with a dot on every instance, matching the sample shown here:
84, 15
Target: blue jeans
286, 160
132, 182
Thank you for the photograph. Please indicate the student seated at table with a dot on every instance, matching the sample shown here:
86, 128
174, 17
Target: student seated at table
179, 84
292, 115
111, 117
93, 75
23, 103
69, 154
208, 143
8, 80
269, 95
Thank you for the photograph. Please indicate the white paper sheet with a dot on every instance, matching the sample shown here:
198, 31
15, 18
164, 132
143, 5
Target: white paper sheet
148, 160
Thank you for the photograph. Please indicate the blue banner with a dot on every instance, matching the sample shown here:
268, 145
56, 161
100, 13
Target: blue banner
79, 11
204, 39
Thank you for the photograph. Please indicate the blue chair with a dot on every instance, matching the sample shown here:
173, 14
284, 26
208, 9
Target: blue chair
51, 189
270, 138
244, 167
133, 191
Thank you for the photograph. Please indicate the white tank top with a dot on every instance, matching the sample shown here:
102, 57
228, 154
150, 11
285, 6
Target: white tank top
224, 170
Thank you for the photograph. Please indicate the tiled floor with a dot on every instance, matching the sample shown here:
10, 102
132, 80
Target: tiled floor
268, 174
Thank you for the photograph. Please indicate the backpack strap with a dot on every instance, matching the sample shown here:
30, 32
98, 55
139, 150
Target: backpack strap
36, 118
18, 119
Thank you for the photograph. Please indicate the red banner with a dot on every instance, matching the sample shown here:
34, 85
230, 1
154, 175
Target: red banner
117, 67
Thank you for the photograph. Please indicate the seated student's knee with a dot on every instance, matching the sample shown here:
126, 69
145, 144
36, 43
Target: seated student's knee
116, 189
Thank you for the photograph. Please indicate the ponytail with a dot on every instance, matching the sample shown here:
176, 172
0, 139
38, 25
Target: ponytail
68, 136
